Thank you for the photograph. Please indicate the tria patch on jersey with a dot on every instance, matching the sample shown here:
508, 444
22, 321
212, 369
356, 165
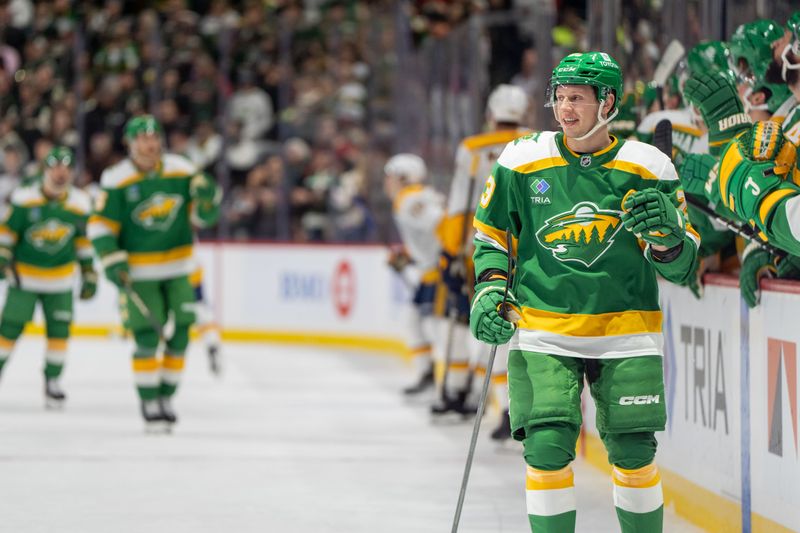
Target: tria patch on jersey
582, 234
158, 212
50, 235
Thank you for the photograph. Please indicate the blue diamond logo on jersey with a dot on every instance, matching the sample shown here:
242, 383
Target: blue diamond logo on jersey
540, 186
581, 235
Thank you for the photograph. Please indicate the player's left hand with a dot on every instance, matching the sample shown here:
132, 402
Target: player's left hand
88, 284
756, 264
203, 189
652, 216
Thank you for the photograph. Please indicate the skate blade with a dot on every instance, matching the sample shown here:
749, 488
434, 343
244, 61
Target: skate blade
54, 404
157, 428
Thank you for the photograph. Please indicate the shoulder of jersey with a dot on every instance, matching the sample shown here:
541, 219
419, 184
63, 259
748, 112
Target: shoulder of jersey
27, 196
676, 116
79, 201
529, 149
177, 165
652, 162
117, 175
491, 138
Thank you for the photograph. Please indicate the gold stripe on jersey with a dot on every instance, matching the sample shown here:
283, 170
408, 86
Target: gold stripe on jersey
404, 193
196, 277
497, 235
476, 142
727, 166
769, 202
59, 272
541, 164
687, 129
7, 235
111, 225
158, 258
600, 325
450, 230
631, 168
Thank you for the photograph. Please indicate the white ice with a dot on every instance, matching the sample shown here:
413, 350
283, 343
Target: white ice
290, 440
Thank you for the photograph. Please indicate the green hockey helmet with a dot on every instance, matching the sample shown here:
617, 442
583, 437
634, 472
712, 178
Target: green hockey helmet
709, 55
596, 69
752, 42
144, 124
791, 63
59, 155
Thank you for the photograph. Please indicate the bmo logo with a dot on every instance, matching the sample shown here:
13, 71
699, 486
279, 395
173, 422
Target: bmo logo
343, 288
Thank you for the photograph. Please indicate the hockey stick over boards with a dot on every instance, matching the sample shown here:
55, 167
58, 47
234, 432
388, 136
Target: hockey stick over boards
509, 315
662, 139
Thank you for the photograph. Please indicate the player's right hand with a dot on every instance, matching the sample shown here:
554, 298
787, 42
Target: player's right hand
485, 320
114, 272
756, 264
453, 271
694, 173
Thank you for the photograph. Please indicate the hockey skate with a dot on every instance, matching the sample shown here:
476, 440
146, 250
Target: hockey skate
502, 432
454, 408
54, 397
167, 411
424, 383
214, 360
155, 422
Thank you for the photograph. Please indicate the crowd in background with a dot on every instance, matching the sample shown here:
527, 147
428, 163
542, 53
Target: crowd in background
292, 105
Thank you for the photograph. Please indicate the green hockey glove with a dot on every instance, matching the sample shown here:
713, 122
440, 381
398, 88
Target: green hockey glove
116, 267
202, 188
756, 264
764, 141
715, 97
485, 321
88, 283
652, 216
788, 267
695, 171
749, 188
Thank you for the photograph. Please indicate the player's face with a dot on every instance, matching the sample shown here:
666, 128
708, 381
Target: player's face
576, 109
391, 185
58, 177
146, 150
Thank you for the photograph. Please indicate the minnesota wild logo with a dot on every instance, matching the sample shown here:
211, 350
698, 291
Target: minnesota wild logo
50, 235
582, 234
158, 212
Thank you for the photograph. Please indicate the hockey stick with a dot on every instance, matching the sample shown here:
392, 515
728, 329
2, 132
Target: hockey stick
127, 287
673, 54
484, 390
662, 139
459, 259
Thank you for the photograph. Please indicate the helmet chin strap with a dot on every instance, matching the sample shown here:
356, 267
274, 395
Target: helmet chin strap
600, 122
750, 107
786, 64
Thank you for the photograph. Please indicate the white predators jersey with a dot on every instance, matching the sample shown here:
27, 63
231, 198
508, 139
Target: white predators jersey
686, 136
474, 160
418, 211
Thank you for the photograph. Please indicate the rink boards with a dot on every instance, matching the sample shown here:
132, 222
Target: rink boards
730, 456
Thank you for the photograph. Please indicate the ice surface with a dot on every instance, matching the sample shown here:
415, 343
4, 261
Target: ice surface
289, 440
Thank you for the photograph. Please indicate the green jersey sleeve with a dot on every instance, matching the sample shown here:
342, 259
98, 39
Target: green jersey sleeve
496, 211
105, 224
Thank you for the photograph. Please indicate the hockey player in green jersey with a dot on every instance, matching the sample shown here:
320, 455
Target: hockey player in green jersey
589, 245
42, 238
142, 230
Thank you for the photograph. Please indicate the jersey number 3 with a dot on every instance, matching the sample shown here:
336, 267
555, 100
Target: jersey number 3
488, 191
